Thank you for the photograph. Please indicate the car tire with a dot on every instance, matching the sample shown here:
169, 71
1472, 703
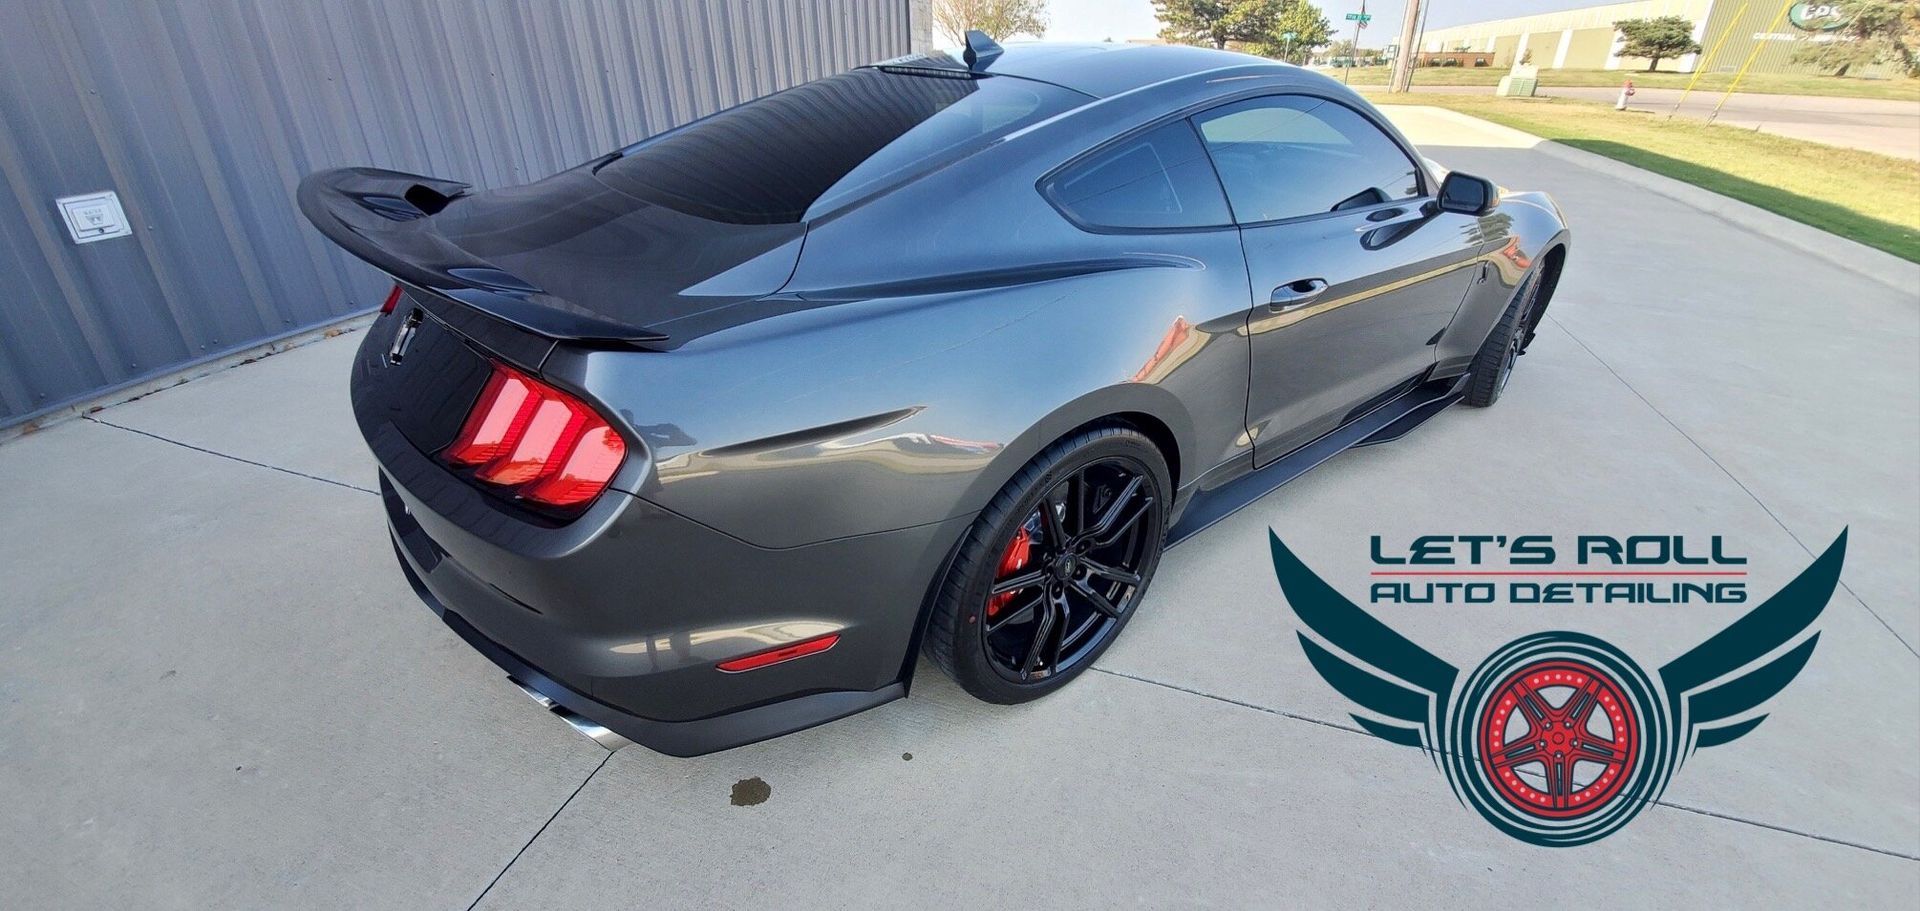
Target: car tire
1493, 364
973, 634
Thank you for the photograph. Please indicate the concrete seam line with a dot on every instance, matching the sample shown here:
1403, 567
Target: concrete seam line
1731, 477
1245, 705
1785, 830
213, 452
540, 831
1711, 814
1878, 265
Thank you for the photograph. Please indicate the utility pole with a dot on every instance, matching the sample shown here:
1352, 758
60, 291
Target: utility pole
1421, 41
1403, 64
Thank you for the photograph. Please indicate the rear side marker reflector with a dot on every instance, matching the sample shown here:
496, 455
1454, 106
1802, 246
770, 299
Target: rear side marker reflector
800, 649
393, 300
547, 445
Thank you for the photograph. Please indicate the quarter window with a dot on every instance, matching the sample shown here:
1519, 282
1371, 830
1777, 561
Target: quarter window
1292, 155
775, 159
1158, 179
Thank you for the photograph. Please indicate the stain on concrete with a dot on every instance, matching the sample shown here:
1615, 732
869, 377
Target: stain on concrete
748, 792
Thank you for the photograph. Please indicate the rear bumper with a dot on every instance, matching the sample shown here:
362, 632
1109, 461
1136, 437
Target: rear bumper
621, 616
675, 738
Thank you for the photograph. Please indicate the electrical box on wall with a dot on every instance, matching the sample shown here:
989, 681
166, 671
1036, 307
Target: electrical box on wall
93, 216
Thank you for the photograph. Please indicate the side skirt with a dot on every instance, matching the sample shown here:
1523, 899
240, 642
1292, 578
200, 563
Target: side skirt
1392, 420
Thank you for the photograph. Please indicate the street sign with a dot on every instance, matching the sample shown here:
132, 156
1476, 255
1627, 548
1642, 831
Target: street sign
1359, 17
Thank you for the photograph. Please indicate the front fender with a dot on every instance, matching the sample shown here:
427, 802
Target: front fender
1518, 239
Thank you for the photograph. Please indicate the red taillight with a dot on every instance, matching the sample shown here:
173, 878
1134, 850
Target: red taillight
799, 649
544, 442
595, 456
548, 445
393, 299
497, 421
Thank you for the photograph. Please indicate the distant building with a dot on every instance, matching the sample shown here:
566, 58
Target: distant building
1584, 39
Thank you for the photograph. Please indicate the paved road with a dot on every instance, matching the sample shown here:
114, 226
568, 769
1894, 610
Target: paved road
1874, 124
216, 690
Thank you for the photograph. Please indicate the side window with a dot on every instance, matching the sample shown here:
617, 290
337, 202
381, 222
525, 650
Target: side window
1158, 179
1290, 155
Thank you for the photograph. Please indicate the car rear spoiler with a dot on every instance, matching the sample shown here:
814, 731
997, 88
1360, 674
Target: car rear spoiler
385, 218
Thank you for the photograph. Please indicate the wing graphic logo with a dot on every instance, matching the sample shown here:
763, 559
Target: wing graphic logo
1559, 738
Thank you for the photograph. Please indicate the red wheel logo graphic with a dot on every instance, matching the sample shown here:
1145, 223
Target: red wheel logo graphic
1558, 739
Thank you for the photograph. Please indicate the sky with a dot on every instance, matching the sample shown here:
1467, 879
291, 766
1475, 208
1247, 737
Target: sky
1098, 20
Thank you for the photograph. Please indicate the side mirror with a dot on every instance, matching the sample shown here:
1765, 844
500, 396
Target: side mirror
1467, 194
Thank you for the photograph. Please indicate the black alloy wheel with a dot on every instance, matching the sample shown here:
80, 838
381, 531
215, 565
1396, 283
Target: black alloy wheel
1517, 340
1493, 365
1070, 573
1054, 568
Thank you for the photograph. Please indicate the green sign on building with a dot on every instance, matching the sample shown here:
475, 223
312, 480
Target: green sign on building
1817, 17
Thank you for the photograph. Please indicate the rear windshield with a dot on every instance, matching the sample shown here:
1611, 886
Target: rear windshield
771, 160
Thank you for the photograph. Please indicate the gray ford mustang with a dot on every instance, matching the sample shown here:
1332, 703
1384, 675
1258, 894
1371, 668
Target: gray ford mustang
707, 439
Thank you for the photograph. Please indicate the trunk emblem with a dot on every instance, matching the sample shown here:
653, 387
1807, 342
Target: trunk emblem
404, 337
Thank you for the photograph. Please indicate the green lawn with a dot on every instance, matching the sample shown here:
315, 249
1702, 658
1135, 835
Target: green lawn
1900, 88
1873, 199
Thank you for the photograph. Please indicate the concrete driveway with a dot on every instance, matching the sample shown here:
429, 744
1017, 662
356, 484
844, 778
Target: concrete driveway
216, 690
1882, 125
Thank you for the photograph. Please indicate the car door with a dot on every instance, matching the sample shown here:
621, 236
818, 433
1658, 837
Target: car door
1354, 273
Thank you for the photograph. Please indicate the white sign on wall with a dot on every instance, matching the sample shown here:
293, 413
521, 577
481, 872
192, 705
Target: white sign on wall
93, 216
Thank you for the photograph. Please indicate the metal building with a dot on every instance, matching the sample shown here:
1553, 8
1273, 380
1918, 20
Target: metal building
1729, 32
199, 117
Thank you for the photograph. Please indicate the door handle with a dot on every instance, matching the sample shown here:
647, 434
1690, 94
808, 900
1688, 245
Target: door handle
1389, 218
1296, 294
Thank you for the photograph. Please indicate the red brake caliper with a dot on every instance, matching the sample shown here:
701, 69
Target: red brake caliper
1013, 561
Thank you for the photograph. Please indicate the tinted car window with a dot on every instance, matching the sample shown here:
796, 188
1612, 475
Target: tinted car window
1287, 156
1159, 179
770, 160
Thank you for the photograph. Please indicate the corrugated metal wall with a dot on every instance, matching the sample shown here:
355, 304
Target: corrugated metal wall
203, 115
1759, 26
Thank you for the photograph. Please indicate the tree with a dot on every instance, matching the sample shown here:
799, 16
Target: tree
998, 18
1260, 24
1309, 27
1910, 38
1876, 31
1657, 39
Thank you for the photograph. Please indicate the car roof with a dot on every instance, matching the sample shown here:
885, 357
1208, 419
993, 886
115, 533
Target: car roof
1101, 69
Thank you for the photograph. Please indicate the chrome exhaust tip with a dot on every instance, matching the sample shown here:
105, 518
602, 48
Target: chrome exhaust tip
586, 726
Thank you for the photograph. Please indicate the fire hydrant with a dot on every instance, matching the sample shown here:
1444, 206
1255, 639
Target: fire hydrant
1626, 92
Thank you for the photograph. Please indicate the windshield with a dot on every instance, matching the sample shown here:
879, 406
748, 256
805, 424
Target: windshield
771, 160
